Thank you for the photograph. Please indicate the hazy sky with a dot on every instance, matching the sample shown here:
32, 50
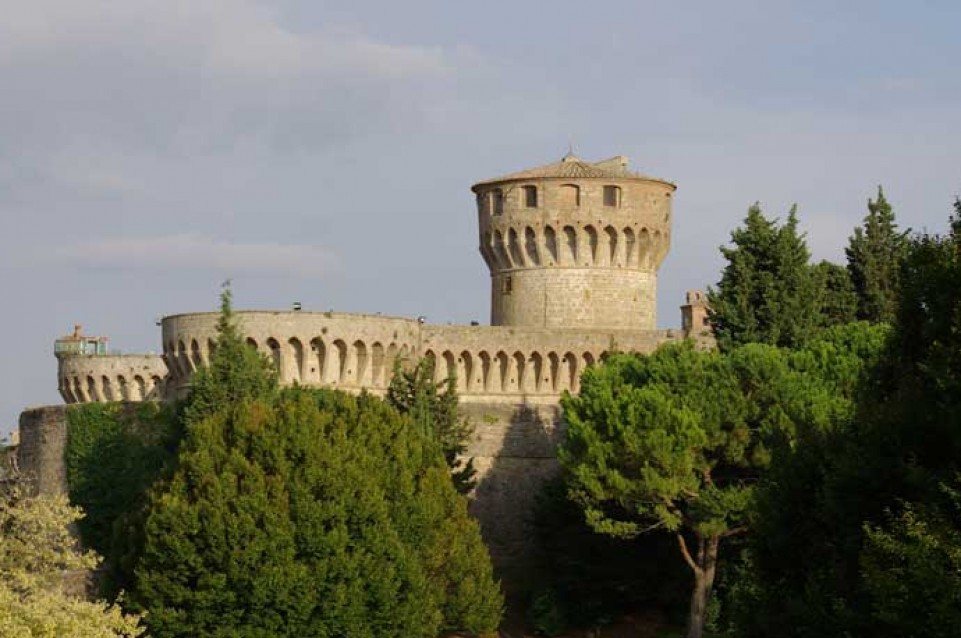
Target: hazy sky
322, 152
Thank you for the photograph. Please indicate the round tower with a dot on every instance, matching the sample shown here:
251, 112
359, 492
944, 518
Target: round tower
574, 244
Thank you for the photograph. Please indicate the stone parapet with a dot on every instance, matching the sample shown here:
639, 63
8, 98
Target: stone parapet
97, 378
354, 352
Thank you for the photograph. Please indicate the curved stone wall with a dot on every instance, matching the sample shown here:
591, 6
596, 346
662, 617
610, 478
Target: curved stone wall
348, 351
111, 377
354, 352
564, 253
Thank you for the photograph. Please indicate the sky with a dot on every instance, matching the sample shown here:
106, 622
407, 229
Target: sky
322, 152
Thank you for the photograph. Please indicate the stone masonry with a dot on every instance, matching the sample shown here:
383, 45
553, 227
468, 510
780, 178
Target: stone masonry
573, 250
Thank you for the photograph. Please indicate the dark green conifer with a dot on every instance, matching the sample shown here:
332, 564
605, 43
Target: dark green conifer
875, 252
768, 291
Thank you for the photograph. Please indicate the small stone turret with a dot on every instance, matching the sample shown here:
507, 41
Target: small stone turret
574, 244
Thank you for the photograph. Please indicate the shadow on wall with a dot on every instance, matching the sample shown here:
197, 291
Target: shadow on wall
514, 451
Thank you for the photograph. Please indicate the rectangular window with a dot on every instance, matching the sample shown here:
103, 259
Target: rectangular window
507, 285
612, 196
530, 196
497, 201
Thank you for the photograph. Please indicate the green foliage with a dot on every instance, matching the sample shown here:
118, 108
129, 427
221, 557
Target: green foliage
36, 550
911, 567
875, 252
318, 514
236, 371
433, 407
586, 580
857, 517
839, 301
114, 453
768, 292
678, 440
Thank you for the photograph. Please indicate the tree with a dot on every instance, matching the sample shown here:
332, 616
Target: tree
302, 512
236, 371
768, 291
412, 391
839, 302
875, 252
36, 549
668, 441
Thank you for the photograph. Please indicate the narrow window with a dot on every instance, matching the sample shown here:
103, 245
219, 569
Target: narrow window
497, 201
530, 196
612, 196
508, 285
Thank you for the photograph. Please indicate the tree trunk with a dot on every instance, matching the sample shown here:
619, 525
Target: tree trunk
704, 566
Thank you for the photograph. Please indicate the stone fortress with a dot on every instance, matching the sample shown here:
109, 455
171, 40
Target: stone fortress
573, 250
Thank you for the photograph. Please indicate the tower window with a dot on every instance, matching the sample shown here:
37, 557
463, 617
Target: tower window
507, 285
612, 196
530, 196
496, 201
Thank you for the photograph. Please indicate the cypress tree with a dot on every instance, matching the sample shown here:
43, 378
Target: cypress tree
875, 252
768, 291
307, 513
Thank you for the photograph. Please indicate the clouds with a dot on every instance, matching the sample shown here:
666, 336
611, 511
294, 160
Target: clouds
188, 77
191, 252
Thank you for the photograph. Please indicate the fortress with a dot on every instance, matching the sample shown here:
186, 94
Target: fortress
573, 250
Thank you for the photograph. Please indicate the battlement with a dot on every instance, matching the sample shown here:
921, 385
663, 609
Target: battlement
574, 244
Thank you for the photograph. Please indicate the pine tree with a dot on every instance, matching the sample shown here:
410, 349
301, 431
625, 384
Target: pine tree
768, 291
236, 371
433, 407
875, 252
839, 302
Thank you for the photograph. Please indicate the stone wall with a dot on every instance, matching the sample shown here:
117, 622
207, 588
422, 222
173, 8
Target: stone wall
562, 253
98, 378
43, 441
353, 352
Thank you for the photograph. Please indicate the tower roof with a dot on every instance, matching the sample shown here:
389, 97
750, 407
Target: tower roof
572, 167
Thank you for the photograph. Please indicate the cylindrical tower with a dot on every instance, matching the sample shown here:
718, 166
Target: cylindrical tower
574, 244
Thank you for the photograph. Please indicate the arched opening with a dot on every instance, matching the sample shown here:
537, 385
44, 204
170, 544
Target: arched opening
591, 257
274, 348
140, 388
465, 372
502, 371
554, 370
530, 245
515, 248
296, 369
630, 248
107, 389
377, 365
570, 237
550, 240
196, 358
500, 251
611, 245
535, 381
519, 380
360, 357
340, 367
318, 359
485, 371
449, 368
